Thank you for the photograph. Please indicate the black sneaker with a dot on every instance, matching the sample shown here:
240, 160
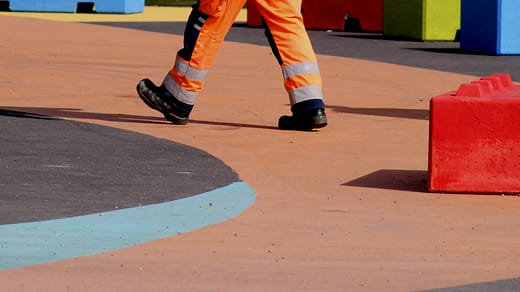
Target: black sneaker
305, 121
157, 98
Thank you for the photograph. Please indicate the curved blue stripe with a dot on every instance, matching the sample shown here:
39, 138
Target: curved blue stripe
47, 241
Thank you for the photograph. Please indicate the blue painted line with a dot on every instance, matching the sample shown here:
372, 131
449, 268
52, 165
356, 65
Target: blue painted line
32, 243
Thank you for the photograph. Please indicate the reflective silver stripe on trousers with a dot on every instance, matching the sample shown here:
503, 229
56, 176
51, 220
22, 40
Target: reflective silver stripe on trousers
183, 95
305, 93
198, 26
190, 72
300, 68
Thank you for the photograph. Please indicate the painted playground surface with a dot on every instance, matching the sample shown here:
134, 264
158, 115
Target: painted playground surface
104, 195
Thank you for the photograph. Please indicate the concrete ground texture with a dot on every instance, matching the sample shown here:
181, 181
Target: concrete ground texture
345, 208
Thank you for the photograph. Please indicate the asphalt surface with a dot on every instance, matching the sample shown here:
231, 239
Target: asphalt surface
53, 168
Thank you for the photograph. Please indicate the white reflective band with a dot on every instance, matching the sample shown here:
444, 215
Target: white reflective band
197, 27
202, 20
190, 72
300, 68
183, 95
305, 93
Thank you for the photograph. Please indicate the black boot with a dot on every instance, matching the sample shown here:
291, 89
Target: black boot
304, 121
159, 99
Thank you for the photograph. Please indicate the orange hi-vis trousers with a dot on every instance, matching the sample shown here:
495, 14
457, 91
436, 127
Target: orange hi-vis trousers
206, 28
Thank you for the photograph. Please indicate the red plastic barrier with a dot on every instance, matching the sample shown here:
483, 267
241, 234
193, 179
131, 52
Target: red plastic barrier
330, 14
475, 138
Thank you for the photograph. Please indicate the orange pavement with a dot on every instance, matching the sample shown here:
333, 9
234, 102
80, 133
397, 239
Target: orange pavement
341, 209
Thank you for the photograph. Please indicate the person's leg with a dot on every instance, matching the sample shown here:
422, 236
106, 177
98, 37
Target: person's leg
291, 46
206, 28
